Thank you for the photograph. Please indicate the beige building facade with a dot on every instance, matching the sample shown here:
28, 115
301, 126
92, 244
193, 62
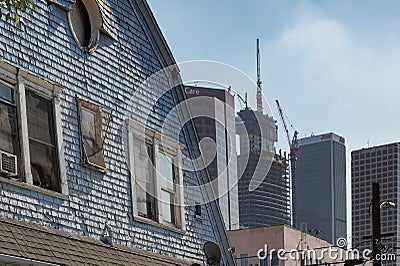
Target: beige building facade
284, 246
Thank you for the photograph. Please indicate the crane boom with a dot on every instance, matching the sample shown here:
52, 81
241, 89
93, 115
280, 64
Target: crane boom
283, 122
243, 100
294, 148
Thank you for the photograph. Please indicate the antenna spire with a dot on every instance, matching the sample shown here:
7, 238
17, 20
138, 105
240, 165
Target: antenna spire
259, 93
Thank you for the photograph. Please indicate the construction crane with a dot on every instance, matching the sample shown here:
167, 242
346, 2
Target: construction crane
294, 148
243, 100
259, 93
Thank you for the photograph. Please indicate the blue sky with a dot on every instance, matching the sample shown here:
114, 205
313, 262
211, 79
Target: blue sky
334, 65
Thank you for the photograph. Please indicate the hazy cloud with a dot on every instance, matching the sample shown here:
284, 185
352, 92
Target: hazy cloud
331, 80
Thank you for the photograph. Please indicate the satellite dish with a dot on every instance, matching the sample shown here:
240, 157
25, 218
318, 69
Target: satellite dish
213, 253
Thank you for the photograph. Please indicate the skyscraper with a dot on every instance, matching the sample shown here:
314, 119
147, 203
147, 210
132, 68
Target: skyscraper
213, 112
321, 186
269, 203
377, 164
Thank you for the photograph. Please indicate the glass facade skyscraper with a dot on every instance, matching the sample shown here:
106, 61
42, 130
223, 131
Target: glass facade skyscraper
320, 192
213, 113
376, 164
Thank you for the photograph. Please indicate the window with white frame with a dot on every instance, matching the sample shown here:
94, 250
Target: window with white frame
30, 130
156, 177
144, 177
168, 182
42, 141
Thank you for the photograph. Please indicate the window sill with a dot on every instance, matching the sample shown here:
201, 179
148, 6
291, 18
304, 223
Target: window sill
198, 218
34, 188
161, 225
94, 167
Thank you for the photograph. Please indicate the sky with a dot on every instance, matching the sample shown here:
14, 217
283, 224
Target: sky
333, 65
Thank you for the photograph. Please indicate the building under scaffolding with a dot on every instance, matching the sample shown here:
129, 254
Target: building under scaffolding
269, 203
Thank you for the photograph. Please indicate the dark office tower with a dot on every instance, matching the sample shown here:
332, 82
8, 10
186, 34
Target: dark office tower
321, 186
213, 112
377, 164
269, 203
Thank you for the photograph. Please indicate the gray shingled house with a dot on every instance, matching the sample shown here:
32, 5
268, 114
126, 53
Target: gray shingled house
94, 160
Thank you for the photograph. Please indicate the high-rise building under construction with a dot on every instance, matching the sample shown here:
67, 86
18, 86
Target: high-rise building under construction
264, 180
269, 203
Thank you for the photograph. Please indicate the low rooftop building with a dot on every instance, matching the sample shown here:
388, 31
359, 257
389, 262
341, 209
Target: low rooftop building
282, 245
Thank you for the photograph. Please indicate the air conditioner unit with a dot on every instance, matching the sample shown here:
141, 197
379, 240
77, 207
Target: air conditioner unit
8, 163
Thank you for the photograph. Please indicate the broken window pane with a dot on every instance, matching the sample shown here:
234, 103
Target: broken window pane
91, 133
43, 151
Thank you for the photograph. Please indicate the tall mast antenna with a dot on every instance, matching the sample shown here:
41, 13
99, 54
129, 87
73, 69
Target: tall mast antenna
259, 93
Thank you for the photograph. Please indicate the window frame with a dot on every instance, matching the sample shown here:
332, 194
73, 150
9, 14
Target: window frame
23, 81
149, 146
32, 140
172, 192
160, 144
11, 103
98, 115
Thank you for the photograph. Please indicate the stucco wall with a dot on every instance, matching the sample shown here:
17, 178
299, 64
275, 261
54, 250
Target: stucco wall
250, 241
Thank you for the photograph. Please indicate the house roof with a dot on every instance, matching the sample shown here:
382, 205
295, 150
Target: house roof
23, 241
156, 33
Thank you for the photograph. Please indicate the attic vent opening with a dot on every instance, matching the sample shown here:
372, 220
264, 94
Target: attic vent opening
81, 23
85, 21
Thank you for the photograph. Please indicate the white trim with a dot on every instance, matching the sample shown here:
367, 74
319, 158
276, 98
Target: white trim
60, 147
23, 131
180, 193
45, 191
159, 143
23, 79
157, 224
131, 170
142, 131
157, 184
8, 72
39, 84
